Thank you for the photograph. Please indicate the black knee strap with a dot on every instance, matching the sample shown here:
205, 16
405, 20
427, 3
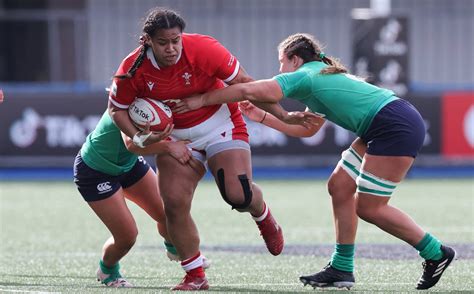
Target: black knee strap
244, 181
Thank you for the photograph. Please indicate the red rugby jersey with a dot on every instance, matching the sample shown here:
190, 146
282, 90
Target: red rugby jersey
203, 66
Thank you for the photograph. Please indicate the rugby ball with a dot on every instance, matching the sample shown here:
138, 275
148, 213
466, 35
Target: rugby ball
144, 110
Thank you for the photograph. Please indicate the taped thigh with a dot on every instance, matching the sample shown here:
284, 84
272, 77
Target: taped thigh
371, 184
351, 162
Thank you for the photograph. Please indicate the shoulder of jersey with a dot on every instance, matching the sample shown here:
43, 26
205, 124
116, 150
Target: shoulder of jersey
197, 46
129, 60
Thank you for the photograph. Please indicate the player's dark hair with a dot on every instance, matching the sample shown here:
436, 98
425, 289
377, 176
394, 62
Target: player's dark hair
158, 18
308, 48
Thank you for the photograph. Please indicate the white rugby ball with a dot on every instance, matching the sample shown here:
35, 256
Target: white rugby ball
144, 110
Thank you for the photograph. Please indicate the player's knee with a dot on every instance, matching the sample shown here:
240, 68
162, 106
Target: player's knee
236, 192
334, 187
126, 240
340, 188
369, 213
366, 213
177, 202
176, 209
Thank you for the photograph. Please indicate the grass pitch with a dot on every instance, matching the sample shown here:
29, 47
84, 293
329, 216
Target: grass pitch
51, 240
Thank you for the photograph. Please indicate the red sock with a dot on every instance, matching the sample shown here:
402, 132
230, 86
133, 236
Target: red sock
197, 272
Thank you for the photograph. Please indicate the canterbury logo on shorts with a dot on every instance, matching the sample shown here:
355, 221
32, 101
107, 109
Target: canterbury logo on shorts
104, 187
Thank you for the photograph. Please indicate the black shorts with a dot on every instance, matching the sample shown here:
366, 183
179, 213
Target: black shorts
95, 185
397, 130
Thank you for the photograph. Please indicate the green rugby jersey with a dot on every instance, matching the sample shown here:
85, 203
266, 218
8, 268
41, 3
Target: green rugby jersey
105, 151
341, 98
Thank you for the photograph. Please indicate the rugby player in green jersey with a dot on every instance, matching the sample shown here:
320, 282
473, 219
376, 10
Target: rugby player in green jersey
107, 170
390, 133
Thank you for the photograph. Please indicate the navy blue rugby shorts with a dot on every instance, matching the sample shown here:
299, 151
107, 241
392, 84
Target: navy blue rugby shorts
397, 130
95, 185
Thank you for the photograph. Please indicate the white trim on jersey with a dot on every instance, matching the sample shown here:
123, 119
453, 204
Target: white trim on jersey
234, 74
151, 56
179, 56
121, 106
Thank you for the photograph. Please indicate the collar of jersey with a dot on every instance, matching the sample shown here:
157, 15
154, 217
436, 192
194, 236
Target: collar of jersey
149, 54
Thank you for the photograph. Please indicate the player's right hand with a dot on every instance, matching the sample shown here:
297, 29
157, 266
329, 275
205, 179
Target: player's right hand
147, 137
158, 136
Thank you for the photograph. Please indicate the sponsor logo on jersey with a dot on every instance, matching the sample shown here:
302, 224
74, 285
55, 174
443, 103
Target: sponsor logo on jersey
187, 78
104, 187
150, 85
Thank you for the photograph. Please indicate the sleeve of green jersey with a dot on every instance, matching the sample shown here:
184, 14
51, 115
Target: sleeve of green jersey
293, 84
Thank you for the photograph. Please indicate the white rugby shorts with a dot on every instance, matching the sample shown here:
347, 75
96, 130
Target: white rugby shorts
224, 130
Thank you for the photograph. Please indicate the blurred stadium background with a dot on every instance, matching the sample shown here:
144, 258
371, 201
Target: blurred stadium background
57, 56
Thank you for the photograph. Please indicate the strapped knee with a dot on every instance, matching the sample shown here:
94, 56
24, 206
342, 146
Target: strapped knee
370, 184
351, 162
244, 182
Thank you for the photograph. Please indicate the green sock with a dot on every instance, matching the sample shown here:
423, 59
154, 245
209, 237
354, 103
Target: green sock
343, 257
170, 248
429, 248
109, 270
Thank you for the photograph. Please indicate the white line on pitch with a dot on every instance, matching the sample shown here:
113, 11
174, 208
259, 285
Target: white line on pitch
25, 291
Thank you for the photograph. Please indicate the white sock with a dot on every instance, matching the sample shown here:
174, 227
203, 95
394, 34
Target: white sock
192, 263
263, 216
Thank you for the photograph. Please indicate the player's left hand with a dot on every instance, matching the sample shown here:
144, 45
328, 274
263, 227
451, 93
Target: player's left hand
304, 118
180, 151
188, 104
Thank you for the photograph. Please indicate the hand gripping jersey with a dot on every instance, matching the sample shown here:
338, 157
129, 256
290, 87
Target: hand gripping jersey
202, 66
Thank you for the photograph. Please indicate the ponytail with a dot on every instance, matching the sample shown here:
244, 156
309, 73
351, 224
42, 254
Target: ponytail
136, 64
335, 66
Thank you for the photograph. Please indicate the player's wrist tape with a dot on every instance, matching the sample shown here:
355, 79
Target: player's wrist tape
139, 140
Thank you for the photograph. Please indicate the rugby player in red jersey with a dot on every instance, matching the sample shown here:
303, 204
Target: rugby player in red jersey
171, 65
